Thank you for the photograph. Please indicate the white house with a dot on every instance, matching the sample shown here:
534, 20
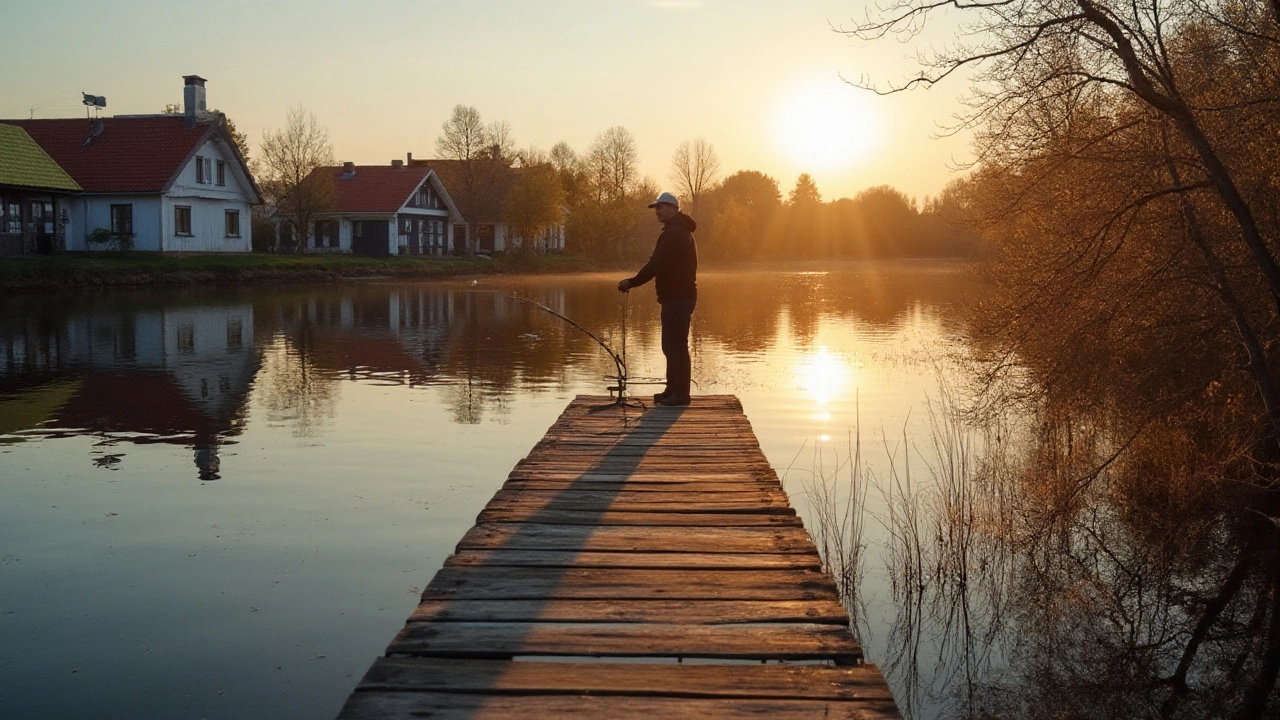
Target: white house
488, 231
172, 183
385, 210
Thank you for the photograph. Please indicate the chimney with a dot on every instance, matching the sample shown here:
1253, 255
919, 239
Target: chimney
397, 164
348, 170
193, 105
408, 158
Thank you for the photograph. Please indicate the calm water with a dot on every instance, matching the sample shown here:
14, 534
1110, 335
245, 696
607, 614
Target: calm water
223, 504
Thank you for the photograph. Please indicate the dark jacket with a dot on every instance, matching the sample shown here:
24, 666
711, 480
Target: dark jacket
674, 262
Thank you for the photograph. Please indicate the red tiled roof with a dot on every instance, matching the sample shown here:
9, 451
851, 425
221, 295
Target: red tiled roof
375, 188
131, 154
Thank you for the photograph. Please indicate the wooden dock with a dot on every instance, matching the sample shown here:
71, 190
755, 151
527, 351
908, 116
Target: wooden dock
634, 565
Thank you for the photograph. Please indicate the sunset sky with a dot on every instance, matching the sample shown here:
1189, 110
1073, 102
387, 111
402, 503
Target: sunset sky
760, 80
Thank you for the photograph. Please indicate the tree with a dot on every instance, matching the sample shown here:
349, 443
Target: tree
805, 192
612, 164
295, 179
563, 158
741, 211
534, 204
694, 169
483, 155
463, 136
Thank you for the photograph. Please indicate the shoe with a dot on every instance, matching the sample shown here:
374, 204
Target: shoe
674, 400
657, 397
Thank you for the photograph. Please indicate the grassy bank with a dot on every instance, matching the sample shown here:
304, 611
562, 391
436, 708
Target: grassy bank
133, 269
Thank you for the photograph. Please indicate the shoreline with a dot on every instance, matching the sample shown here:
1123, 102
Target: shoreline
33, 275
40, 275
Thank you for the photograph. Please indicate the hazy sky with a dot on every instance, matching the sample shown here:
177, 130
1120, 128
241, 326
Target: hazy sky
758, 79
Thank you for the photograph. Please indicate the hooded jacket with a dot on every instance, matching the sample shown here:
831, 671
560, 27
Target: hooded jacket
674, 263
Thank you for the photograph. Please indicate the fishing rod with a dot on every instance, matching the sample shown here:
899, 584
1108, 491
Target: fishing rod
619, 361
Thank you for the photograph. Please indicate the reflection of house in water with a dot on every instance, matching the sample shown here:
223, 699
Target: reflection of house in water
172, 375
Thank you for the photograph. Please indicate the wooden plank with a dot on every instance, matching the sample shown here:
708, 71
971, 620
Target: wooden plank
701, 612
759, 478
493, 583
777, 682
531, 536
442, 706
507, 639
613, 486
748, 499
635, 560
597, 518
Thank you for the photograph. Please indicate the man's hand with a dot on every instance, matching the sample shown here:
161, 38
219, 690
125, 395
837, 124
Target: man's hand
624, 285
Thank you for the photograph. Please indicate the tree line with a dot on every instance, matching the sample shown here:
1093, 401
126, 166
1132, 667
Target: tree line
601, 197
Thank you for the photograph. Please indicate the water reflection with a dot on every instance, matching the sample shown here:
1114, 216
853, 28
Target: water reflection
171, 374
353, 432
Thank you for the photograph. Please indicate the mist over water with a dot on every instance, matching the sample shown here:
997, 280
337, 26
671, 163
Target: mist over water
224, 503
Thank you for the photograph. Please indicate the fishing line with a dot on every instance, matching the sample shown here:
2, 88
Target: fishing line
619, 391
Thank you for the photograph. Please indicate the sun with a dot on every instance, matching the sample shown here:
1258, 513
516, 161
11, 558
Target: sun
827, 125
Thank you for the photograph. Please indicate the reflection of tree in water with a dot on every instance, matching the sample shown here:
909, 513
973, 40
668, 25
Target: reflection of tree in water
293, 388
1073, 572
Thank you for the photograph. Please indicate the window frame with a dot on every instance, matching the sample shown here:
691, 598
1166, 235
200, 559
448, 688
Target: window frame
126, 208
227, 214
177, 224
200, 177
221, 176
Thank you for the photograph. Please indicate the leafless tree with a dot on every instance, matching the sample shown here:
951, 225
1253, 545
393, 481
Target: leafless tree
463, 136
612, 163
293, 165
564, 158
695, 169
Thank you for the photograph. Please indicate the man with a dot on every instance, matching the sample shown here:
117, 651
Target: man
674, 267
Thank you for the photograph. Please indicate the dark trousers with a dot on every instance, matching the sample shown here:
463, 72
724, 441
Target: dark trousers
675, 344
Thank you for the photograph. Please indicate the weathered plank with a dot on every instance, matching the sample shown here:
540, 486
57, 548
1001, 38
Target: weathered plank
489, 583
700, 612
607, 518
634, 560
531, 536
447, 706
614, 486
809, 641
750, 499
808, 682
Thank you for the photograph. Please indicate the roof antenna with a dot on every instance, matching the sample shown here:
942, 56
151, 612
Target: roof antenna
89, 101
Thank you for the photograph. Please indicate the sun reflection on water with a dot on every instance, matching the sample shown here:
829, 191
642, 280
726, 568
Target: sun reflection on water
824, 377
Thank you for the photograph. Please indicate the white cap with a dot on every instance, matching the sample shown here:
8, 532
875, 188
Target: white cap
667, 198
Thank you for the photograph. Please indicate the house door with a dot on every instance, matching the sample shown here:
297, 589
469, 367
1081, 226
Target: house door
459, 239
42, 232
370, 237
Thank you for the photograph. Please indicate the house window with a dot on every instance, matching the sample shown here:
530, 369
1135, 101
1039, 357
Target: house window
200, 170
13, 220
186, 338
326, 233
122, 219
181, 220
208, 170
233, 223
222, 173
235, 334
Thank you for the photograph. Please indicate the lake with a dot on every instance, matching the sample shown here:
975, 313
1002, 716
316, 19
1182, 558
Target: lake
223, 503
